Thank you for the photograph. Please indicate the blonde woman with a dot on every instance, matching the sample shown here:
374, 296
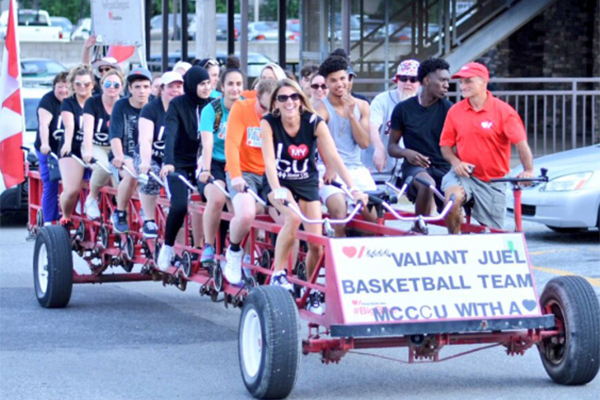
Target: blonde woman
291, 134
81, 81
96, 144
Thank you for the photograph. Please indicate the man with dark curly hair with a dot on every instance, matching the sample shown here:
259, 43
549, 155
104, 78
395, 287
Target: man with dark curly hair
419, 121
348, 120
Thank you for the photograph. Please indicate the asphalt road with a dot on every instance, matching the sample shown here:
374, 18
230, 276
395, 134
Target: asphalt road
143, 341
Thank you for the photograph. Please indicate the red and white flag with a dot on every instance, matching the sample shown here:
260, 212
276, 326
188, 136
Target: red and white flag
11, 111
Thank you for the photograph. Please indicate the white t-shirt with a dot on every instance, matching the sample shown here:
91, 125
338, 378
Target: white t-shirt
382, 108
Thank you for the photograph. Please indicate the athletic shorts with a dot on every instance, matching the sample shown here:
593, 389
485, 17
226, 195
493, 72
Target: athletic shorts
255, 182
437, 173
217, 170
489, 198
360, 175
306, 191
152, 188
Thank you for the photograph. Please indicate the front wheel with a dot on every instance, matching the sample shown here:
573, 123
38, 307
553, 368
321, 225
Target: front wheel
53, 267
573, 356
269, 342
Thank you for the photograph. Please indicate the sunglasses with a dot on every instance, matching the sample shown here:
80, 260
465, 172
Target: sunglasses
316, 86
82, 84
263, 107
104, 69
211, 62
108, 84
282, 98
404, 79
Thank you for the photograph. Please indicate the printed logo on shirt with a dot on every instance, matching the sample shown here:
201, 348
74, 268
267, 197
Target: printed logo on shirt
294, 170
298, 152
486, 124
254, 137
159, 143
223, 131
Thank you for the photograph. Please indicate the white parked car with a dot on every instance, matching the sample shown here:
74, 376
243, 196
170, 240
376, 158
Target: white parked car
570, 201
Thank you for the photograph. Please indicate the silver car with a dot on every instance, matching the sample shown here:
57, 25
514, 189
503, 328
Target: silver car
570, 201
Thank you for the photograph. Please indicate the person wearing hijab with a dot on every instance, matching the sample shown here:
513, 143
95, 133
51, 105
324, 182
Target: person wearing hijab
182, 147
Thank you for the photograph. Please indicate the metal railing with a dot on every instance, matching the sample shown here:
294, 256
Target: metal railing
558, 113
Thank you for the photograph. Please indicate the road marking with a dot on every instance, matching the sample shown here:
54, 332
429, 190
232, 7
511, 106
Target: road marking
592, 281
537, 253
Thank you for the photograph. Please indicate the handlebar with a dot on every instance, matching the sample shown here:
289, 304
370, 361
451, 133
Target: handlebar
431, 186
430, 218
515, 181
307, 220
212, 180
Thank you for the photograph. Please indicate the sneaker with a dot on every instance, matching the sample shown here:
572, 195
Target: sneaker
314, 304
280, 279
150, 229
165, 257
91, 208
119, 221
66, 223
233, 268
208, 255
420, 228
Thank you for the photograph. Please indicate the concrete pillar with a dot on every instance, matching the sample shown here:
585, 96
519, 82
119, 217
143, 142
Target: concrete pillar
206, 29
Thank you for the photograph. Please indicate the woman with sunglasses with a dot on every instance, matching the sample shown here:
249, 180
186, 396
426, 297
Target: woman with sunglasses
291, 134
318, 89
181, 155
151, 128
96, 144
81, 80
213, 129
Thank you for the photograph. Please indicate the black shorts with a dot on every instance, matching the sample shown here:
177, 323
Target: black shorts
306, 191
436, 172
217, 170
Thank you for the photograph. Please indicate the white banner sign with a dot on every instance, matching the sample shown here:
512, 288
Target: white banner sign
434, 278
119, 22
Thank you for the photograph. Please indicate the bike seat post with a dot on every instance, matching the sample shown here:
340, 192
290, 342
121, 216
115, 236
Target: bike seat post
517, 207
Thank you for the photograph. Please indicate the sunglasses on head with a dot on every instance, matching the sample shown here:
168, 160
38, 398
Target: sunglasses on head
282, 98
211, 63
81, 84
316, 86
108, 84
404, 79
104, 69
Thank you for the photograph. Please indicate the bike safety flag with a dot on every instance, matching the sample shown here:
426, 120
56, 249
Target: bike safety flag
11, 111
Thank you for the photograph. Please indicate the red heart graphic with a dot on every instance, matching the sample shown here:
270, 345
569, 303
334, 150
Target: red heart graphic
298, 152
356, 302
349, 251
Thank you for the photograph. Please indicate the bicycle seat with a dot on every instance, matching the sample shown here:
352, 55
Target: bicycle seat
380, 194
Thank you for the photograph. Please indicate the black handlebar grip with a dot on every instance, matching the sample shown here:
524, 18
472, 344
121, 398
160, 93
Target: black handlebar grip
210, 180
375, 200
336, 184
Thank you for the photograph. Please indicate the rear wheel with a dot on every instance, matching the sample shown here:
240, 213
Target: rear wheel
573, 356
269, 342
53, 267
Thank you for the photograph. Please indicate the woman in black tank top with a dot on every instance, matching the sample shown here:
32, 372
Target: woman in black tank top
291, 134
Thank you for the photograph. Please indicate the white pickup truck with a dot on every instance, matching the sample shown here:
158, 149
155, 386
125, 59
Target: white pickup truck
33, 26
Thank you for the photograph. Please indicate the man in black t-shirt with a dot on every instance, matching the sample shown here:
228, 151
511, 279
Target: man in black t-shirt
124, 139
419, 120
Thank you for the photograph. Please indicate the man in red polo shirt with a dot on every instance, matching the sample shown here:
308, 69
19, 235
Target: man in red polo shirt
476, 141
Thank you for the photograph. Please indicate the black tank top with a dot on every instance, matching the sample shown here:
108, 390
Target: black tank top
295, 156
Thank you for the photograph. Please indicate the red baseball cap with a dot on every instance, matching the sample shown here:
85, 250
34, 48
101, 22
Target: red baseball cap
473, 69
